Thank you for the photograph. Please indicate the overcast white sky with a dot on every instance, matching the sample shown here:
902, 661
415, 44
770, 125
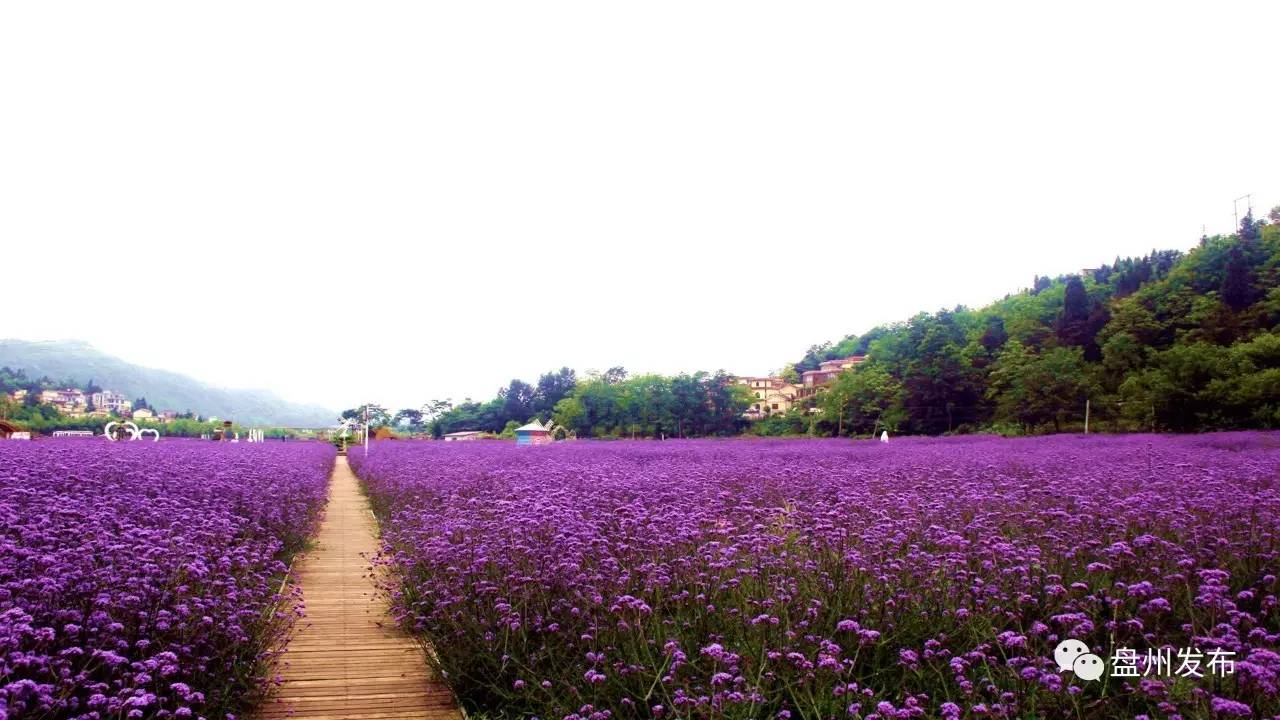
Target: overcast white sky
222, 188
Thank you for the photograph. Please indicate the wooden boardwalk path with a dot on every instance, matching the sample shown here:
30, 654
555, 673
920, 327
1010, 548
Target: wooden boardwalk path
349, 660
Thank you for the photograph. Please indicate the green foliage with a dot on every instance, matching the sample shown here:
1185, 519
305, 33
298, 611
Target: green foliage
1035, 389
612, 405
517, 402
12, 379
937, 360
609, 404
796, 421
408, 418
552, 388
1209, 387
377, 416
864, 401
1237, 282
45, 419
509, 432
1172, 341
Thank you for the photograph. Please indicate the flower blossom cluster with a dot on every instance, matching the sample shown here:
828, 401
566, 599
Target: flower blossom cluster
142, 579
752, 579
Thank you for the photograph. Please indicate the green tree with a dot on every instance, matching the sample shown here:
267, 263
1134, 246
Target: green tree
863, 400
1250, 394
1249, 228
436, 408
789, 374
518, 399
1121, 355
1171, 394
610, 405
569, 413
509, 430
410, 418
994, 336
552, 388
941, 387
1237, 284
378, 416
1032, 389
1074, 318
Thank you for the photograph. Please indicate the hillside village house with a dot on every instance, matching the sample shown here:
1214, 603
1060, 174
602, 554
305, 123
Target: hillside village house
773, 396
827, 372
112, 402
69, 396
71, 401
75, 403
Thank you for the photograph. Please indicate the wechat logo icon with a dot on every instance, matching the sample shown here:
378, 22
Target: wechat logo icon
1074, 655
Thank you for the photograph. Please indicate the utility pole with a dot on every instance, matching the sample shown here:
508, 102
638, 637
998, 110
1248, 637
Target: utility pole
366, 429
1086, 416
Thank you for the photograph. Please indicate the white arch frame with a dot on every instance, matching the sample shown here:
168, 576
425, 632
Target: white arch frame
135, 433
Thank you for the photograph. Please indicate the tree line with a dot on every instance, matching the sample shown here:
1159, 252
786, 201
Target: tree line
1169, 341
602, 404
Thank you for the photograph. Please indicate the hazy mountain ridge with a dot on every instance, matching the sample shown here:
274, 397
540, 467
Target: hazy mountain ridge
166, 390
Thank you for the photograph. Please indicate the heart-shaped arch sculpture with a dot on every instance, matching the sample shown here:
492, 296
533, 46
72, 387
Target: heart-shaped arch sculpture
108, 430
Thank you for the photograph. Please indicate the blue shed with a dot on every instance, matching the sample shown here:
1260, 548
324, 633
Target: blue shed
533, 434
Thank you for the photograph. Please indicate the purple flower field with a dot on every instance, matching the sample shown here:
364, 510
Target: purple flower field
922, 578
140, 579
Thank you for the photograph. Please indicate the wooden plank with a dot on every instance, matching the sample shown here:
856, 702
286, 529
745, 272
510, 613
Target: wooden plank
348, 659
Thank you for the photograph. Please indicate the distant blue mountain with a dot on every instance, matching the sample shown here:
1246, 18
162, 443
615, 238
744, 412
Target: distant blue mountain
164, 390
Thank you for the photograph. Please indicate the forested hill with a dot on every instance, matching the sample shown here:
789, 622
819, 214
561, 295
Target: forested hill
1175, 341
75, 363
